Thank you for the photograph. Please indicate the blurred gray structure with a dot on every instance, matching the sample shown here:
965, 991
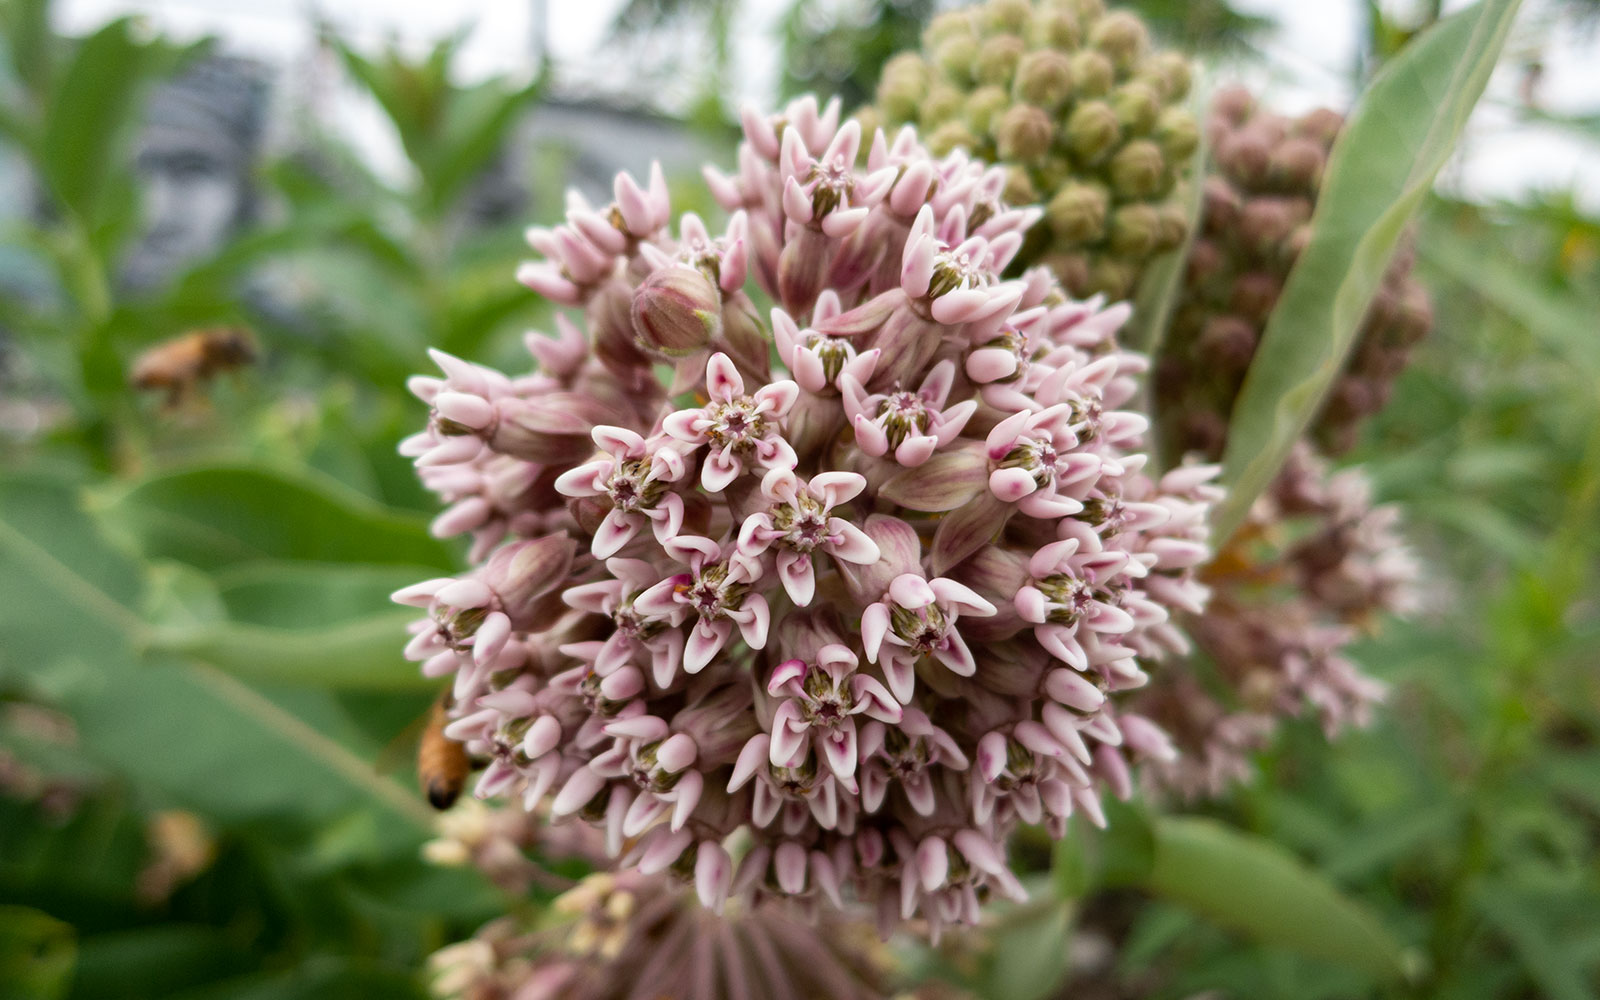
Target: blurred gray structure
197, 156
594, 139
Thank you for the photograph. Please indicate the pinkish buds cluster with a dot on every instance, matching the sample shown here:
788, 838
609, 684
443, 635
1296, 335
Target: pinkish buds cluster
828, 628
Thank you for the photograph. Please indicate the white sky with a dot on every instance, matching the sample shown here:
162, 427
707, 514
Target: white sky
1309, 56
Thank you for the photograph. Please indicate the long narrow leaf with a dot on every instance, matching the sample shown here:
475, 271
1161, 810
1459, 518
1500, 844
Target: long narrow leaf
1400, 135
1250, 885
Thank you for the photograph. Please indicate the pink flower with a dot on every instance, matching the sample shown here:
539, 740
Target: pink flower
637, 479
800, 522
718, 592
911, 424
736, 427
821, 699
916, 619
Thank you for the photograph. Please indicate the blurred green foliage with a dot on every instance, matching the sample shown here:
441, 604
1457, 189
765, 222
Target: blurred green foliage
195, 625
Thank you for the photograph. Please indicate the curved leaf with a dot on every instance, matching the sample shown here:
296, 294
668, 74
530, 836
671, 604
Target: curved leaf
1251, 885
362, 654
222, 515
1384, 163
187, 733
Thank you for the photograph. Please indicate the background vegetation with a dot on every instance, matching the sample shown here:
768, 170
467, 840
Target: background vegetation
199, 669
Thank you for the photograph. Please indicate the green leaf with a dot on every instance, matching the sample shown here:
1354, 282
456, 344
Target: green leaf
92, 110
37, 953
1383, 165
301, 596
1162, 284
1250, 885
1029, 957
363, 654
218, 516
184, 732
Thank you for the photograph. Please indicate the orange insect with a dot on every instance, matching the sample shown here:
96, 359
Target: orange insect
442, 763
180, 364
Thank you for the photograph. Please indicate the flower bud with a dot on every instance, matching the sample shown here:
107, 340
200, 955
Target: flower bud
1135, 230
1172, 72
950, 136
902, 86
942, 103
1078, 212
552, 429
1019, 189
1092, 73
1093, 131
998, 59
1120, 35
1112, 277
1244, 156
1172, 225
1054, 28
1177, 133
956, 56
1233, 105
1024, 134
947, 25
527, 577
1138, 170
1296, 165
985, 107
1321, 125
1012, 16
1137, 104
1044, 79
676, 311
1228, 342
1254, 295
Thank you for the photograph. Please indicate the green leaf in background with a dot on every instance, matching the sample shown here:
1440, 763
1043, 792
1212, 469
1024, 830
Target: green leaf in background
185, 732
37, 952
1399, 136
92, 110
217, 516
1250, 885
1029, 957
362, 654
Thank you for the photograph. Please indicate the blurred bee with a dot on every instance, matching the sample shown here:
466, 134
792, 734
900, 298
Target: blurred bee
442, 763
179, 364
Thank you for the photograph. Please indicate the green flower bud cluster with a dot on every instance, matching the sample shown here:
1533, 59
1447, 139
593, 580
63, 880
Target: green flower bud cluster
1259, 194
1089, 121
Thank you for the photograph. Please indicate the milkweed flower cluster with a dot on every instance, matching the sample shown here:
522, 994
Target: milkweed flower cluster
1085, 116
824, 628
1259, 195
628, 936
1315, 566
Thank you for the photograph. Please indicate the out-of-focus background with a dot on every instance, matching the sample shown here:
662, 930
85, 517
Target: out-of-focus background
205, 725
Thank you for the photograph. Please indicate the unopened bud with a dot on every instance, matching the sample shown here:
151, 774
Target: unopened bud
1177, 133
1172, 225
1220, 206
1078, 212
1205, 261
1113, 277
1019, 189
1044, 78
1171, 71
1120, 35
950, 136
1054, 28
1139, 171
1135, 230
1093, 130
1265, 223
985, 107
942, 103
902, 86
527, 576
998, 59
550, 429
1025, 134
1244, 156
1296, 165
950, 24
1138, 104
676, 311
1321, 125
1005, 15
1233, 105
1254, 295
1092, 73
1228, 342
956, 55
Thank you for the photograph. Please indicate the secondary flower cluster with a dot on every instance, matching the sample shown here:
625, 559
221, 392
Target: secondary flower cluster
826, 626
1084, 116
1258, 199
625, 936
1314, 566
